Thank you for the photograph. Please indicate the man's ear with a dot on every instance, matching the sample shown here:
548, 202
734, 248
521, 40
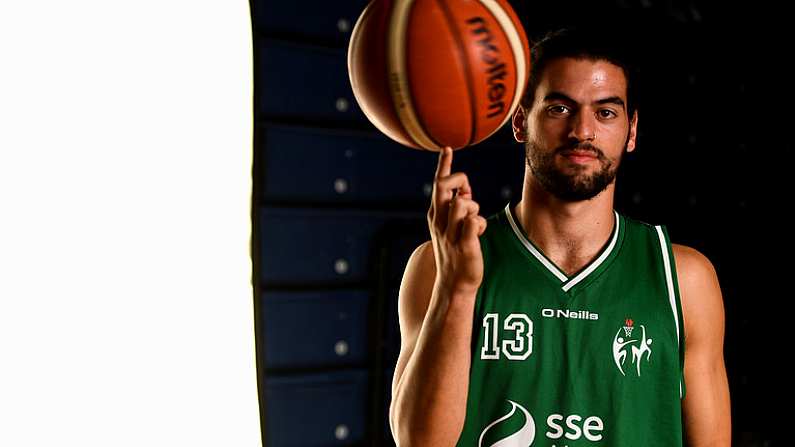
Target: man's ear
519, 122
633, 132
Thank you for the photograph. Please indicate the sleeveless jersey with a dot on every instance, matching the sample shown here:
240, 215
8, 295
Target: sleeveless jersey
593, 358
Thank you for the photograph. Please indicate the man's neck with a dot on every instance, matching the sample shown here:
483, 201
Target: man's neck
570, 234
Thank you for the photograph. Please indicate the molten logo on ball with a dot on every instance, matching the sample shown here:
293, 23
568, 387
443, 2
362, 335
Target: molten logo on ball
497, 72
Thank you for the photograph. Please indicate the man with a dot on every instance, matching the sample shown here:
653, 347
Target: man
558, 321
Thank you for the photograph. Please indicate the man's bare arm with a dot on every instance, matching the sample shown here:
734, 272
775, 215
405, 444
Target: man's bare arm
436, 305
429, 388
706, 407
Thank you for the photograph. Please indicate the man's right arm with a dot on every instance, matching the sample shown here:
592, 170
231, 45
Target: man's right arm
429, 388
435, 307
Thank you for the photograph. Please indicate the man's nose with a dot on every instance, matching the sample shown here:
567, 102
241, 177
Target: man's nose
583, 126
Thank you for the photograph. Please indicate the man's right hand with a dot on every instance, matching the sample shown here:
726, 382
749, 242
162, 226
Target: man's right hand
455, 225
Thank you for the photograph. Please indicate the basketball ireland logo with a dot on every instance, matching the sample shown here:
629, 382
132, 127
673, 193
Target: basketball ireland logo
626, 344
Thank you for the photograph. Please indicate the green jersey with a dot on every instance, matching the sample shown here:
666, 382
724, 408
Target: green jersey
593, 358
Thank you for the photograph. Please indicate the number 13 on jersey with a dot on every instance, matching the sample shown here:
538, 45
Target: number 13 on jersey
518, 348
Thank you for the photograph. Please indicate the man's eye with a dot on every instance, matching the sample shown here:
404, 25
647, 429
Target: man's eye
606, 113
558, 109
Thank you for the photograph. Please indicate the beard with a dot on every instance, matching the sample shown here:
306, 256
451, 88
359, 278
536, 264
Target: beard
574, 187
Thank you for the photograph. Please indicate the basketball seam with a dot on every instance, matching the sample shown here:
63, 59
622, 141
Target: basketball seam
411, 87
396, 60
467, 68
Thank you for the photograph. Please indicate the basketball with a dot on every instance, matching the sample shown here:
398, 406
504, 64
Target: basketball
435, 73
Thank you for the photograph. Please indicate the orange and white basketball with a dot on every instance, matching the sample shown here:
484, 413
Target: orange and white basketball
435, 73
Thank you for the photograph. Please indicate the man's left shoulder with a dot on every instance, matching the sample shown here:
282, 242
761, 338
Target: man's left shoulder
699, 288
692, 265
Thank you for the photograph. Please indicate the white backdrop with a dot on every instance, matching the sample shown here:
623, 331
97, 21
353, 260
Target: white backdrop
125, 183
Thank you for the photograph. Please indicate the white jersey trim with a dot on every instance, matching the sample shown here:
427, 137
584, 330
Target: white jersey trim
534, 251
584, 274
549, 265
669, 281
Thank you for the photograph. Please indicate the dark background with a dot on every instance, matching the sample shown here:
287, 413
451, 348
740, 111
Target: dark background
338, 207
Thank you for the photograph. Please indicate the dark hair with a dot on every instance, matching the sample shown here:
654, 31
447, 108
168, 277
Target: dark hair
582, 43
